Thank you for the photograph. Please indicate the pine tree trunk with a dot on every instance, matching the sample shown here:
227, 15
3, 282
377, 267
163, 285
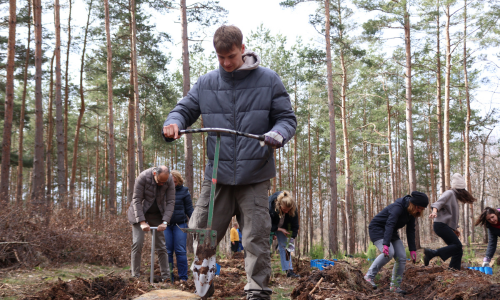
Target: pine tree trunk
412, 178
130, 142
439, 105
135, 74
431, 164
446, 131
389, 148
66, 99
38, 188
320, 194
50, 133
332, 231
9, 104
80, 115
186, 85
467, 121
19, 186
61, 170
97, 182
311, 223
111, 133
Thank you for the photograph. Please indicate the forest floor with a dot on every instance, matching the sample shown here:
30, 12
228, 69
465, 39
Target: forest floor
342, 281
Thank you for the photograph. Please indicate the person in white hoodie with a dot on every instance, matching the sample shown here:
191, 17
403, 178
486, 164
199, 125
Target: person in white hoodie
445, 212
241, 96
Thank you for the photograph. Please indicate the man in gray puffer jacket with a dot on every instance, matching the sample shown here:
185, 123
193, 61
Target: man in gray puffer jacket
152, 205
240, 96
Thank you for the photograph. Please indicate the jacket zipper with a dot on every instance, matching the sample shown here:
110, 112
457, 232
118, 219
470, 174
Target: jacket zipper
235, 128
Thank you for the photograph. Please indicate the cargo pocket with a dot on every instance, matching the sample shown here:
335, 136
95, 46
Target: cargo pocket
261, 222
200, 214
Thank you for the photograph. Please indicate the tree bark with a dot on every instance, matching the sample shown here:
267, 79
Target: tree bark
320, 194
61, 170
38, 194
186, 85
467, 121
310, 208
19, 186
66, 98
80, 115
412, 178
9, 104
97, 182
111, 134
136, 85
333, 245
438, 104
446, 131
50, 133
130, 142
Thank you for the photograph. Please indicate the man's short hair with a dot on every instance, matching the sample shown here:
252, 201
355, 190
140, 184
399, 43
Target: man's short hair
226, 36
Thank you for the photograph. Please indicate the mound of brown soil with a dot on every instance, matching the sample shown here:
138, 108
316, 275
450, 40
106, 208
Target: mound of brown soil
98, 288
343, 281
342, 278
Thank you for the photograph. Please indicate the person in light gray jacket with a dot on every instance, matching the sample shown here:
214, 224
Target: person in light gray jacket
242, 96
445, 212
152, 205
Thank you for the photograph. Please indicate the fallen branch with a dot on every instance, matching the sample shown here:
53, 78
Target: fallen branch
109, 273
4, 243
141, 291
316, 286
375, 295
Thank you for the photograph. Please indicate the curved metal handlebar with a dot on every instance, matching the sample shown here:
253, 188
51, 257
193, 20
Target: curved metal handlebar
153, 228
223, 130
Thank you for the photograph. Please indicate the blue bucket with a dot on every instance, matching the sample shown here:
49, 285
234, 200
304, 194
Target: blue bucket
218, 269
481, 269
488, 271
476, 268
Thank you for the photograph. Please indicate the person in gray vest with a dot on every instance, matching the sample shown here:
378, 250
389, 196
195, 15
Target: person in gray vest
152, 206
243, 96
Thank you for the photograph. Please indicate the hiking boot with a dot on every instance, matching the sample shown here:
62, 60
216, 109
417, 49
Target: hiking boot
370, 281
290, 273
397, 289
428, 255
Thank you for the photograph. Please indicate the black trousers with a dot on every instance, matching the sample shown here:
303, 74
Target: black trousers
454, 248
235, 246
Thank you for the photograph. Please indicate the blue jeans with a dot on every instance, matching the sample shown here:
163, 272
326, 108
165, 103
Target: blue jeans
282, 243
175, 240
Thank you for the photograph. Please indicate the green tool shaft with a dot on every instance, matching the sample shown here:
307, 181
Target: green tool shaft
214, 182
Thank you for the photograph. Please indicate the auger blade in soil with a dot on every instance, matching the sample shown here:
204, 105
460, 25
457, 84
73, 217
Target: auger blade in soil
204, 265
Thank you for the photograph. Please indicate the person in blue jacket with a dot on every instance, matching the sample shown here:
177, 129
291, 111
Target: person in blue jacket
284, 217
175, 238
383, 230
490, 219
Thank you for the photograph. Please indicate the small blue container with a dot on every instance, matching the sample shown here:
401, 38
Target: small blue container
321, 264
476, 268
488, 271
481, 269
218, 269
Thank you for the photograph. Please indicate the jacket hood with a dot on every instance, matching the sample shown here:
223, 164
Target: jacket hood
250, 60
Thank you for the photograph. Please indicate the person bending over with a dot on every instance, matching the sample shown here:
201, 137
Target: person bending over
283, 212
383, 231
490, 219
445, 212
152, 206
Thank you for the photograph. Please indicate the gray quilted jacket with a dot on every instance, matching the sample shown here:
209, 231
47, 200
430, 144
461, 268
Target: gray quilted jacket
145, 192
251, 99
